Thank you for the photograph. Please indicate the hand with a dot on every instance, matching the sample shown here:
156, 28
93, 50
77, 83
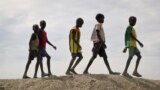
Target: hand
104, 45
55, 47
80, 47
125, 49
140, 44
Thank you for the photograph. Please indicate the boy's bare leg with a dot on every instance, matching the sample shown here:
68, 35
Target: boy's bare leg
95, 51
108, 66
89, 64
126, 68
76, 63
48, 65
36, 68
70, 65
26, 69
43, 74
135, 73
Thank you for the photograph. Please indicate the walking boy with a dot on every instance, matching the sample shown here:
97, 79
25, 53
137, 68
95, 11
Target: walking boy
130, 43
98, 38
42, 45
75, 47
33, 52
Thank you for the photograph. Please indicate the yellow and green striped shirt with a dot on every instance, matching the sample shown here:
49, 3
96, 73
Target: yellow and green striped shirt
72, 45
129, 41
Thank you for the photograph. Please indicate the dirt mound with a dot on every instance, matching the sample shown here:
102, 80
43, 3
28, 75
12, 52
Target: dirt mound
81, 82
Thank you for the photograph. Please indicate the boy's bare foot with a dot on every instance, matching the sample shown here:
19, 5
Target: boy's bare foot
44, 74
114, 73
26, 77
127, 75
35, 77
136, 74
85, 72
68, 73
50, 74
74, 72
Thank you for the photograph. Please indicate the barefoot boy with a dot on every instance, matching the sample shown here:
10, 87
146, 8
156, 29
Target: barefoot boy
75, 47
42, 46
33, 50
130, 43
98, 38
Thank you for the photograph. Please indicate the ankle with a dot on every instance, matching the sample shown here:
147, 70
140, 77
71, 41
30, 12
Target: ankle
125, 72
135, 71
85, 71
72, 69
110, 71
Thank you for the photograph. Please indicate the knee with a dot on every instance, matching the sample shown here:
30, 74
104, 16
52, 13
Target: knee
94, 56
139, 56
39, 61
48, 57
130, 57
105, 56
81, 57
29, 62
73, 58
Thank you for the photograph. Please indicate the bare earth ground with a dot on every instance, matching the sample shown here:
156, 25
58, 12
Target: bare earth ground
81, 82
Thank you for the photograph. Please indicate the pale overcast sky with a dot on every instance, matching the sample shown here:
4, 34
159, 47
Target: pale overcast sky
18, 16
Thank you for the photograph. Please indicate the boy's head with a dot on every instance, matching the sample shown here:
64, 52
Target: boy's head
79, 22
42, 24
132, 20
35, 28
100, 18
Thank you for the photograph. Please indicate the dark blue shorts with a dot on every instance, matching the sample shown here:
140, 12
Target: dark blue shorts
43, 52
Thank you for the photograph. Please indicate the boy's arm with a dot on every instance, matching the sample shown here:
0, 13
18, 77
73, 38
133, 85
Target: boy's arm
74, 40
51, 44
136, 40
99, 37
125, 49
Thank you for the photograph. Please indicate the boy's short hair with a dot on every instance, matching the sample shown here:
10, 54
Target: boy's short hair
79, 20
42, 22
35, 26
132, 18
99, 15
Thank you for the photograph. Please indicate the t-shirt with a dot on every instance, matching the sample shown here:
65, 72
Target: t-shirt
42, 39
129, 41
94, 36
72, 45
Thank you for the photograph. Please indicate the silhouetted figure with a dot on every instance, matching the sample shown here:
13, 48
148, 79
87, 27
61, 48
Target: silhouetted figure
75, 47
130, 43
98, 38
33, 51
42, 46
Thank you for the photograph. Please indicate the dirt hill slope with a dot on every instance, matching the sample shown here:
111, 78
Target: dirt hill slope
81, 82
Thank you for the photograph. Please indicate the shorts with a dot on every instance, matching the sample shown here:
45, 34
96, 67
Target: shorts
74, 55
98, 49
43, 52
133, 51
33, 54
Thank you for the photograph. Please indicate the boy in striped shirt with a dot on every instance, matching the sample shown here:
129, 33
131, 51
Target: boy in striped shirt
75, 47
130, 43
